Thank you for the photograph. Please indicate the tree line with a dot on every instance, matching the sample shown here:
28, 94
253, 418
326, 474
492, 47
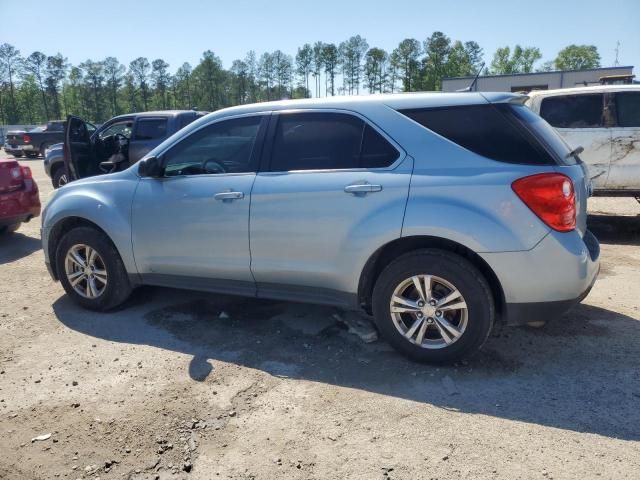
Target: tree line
40, 87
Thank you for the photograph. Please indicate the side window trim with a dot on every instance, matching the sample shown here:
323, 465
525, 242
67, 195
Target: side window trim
265, 160
256, 151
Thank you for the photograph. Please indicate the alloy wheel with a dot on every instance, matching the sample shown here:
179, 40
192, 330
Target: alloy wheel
429, 311
86, 271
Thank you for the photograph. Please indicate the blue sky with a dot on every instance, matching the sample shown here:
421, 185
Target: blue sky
180, 30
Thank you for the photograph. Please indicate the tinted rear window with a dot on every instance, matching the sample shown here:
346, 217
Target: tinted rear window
574, 111
151, 129
628, 109
493, 131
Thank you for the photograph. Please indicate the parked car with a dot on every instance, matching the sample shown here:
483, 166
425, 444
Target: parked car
19, 200
36, 141
13, 143
605, 121
438, 213
118, 143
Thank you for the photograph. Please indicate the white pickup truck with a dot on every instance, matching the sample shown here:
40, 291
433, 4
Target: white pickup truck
605, 121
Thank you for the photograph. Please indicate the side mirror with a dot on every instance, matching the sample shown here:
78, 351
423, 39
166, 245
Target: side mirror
150, 167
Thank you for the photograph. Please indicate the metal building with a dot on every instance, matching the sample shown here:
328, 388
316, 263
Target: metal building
535, 81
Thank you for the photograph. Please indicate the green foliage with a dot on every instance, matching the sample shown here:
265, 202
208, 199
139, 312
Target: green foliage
577, 57
40, 87
521, 60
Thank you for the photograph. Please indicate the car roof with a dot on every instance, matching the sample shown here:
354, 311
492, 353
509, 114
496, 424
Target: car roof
158, 113
588, 89
393, 100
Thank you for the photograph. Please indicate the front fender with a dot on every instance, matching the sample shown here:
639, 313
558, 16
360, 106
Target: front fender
105, 203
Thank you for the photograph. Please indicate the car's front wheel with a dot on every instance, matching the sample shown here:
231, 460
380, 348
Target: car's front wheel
59, 177
433, 306
91, 270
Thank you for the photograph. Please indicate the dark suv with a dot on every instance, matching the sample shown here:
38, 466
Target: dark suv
115, 145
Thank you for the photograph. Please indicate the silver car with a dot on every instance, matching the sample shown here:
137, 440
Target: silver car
440, 214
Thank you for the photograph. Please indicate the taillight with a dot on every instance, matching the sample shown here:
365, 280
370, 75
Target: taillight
26, 173
551, 197
16, 182
26, 138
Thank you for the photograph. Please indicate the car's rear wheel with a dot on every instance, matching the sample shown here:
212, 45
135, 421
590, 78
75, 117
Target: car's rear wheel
433, 306
91, 270
59, 177
9, 228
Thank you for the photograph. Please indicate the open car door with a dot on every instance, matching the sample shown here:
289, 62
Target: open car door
78, 150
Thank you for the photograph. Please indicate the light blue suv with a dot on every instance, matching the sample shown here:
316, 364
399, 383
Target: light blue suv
437, 213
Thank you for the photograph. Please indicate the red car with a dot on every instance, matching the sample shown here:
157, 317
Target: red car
19, 200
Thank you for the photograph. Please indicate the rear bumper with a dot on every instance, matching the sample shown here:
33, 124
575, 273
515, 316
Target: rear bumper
20, 206
549, 279
13, 149
524, 313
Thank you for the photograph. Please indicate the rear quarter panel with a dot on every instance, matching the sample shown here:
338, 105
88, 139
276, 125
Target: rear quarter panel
458, 195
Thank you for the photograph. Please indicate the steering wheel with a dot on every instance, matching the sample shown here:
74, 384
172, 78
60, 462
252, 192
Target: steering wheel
217, 166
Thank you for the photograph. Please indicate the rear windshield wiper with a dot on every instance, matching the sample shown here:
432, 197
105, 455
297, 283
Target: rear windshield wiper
575, 152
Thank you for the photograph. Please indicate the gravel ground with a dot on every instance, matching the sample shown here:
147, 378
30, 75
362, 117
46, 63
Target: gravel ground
195, 386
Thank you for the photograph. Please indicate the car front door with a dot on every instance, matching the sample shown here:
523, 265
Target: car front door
191, 225
148, 132
625, 140
583, 120
333, 186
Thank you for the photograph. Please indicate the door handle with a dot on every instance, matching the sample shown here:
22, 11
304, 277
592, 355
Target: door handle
362, 188
228, 196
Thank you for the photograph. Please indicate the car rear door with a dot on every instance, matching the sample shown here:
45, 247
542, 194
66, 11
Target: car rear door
624, 172
190, 228
147, 133
583, 120
332, 187
78, 151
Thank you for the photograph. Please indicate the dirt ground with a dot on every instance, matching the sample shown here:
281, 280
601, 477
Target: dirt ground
186, 385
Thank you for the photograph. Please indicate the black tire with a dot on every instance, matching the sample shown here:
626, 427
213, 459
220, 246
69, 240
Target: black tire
31, 154
43, 147
118, 287
459, 272
9, 229
17, 155
59, 175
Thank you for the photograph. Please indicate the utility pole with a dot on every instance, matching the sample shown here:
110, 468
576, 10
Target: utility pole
617, 62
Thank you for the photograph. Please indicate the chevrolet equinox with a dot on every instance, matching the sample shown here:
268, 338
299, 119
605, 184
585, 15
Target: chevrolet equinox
439, 214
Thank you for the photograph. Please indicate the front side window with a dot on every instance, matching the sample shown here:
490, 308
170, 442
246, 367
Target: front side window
122, 128
574, 111
328, 141
223, 147
150, 129
628, 109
